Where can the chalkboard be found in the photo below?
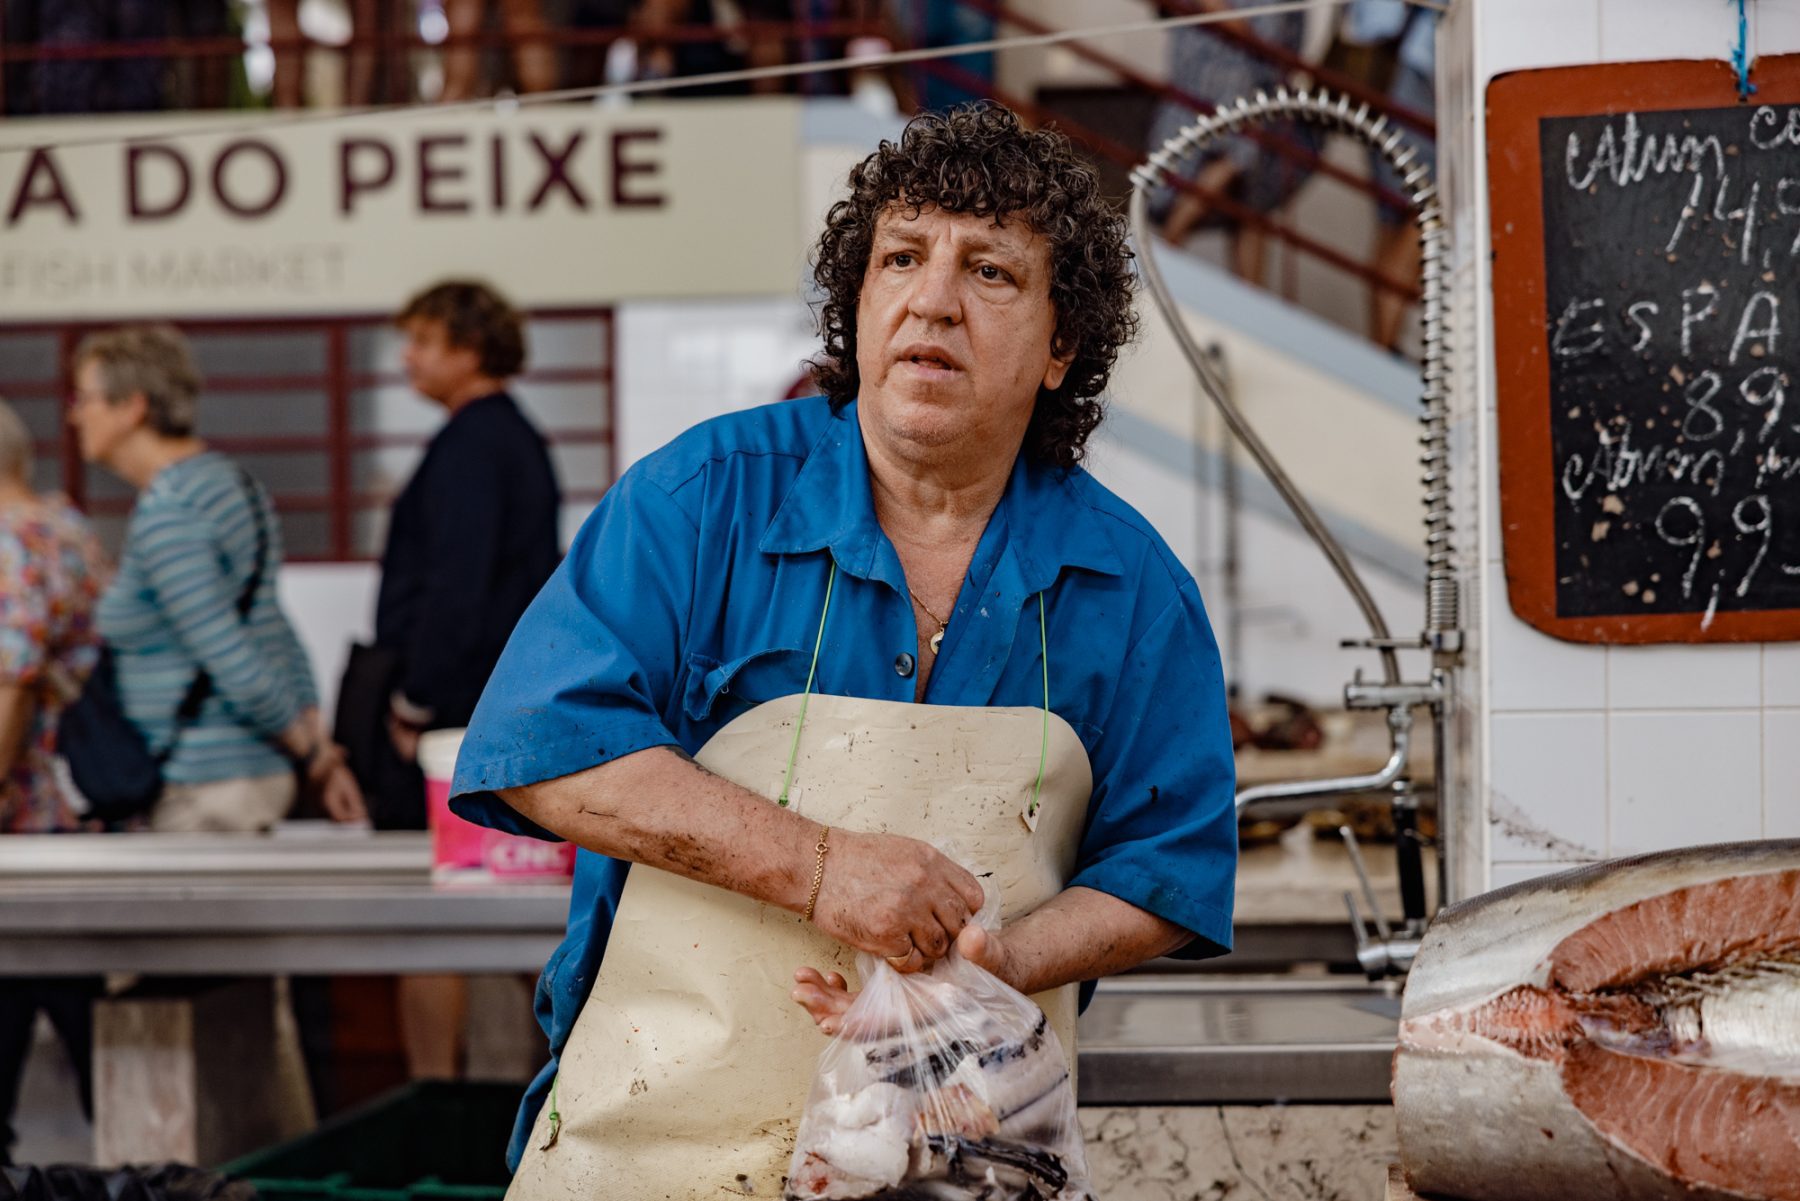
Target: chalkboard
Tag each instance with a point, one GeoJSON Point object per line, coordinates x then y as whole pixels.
{"type": "Point", "coordinates": [1646, 228]}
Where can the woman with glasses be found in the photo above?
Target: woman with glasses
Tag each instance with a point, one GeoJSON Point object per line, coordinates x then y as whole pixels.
{"type": "Point", "coordinates": [195, 598]}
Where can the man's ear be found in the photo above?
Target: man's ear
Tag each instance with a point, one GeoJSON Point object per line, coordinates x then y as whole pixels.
{"type": "Point", "coordinates": [1058, 370]}
{"type": "Point", "coordinates": [138, 405]}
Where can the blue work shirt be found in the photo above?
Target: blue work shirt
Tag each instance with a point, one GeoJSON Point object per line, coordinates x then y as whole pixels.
{"type": "Point", "coordinates": [693, 593]}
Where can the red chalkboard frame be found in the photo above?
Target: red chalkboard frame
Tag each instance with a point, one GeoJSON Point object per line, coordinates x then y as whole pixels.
{"type": "Point", "coordinates": [1515, 104]}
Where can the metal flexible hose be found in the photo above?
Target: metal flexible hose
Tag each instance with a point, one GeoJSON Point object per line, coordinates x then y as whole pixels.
{"type": "Point", "coordinates": [1442, 606]}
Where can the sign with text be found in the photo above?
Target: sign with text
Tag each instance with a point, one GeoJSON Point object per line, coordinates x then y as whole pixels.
{"type": "Point", "coordinates": [1646, 231]}
{"type": "Point", "coordinates": [221, 214]}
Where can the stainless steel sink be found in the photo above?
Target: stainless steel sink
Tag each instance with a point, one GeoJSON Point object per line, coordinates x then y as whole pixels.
{"type": "Point", "coordinates": [1205, 1040]}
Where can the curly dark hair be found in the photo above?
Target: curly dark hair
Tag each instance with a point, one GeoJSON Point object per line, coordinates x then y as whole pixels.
{"type": "Point", "coordinates": [475, 317]}
{"type": "Point", "coordinates": [979, 159]}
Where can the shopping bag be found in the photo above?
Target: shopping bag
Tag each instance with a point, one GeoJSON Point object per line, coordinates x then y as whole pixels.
{"type": "Point", "coordinates": [944, 1084]}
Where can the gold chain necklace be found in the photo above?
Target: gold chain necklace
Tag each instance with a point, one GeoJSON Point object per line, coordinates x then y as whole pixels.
{"type": "Point", "coordinates": [937, 639]}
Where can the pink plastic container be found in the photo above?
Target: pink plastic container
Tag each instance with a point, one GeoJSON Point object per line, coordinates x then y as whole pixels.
{"type": "Point", "coordinates": [465, 852]}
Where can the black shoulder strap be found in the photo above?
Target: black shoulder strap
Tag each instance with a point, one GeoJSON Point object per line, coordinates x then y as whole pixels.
{"type": "Point", "coordinates": [202, 686]}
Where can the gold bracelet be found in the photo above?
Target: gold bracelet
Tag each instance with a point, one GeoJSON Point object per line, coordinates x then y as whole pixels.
{"type": "Point", "coordinates": [812, 898]}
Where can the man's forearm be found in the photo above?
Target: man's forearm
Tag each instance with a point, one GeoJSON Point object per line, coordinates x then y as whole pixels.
{"type": "Point", "coordinates": [660, 808]}
{"type": "Point", "coordinates": [1083, 934]}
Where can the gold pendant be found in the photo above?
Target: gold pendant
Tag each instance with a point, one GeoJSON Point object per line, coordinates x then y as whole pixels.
{"type": "Point", "coordinates": [937, 640]}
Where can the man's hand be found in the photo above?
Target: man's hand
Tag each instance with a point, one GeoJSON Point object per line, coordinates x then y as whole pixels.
{"type": "Point", "coordinates": [826, 996]}
{"type": "Point", "coordinates": [895, 897]}
{"type": "Point", "coordinates": [342, 797]}
{"type": "Point", "coordinates": [404, 737]}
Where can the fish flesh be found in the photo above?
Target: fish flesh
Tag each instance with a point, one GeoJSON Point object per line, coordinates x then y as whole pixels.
{"type": "Point", "coordinates": [951, 1096]}
{"type": "Point", "coordinates": [1623, 1032]}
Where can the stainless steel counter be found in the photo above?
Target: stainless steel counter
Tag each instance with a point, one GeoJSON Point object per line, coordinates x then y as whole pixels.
{"type": "Point", "coordinates": [314, 902]}
{"type": "Point", "coordinates": [1188, 1040]}
{"type": "Point", "coordinates": [323, 901]}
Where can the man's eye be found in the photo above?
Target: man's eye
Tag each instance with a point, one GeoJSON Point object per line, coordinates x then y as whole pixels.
{"type": "Point", "coordinates": [991, 272]}
{"type": "Point", "coordinates": [902, 259]}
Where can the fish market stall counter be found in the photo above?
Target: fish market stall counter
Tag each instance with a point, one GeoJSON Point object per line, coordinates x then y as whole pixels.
{"type": "Point", "coordinates": [325, 902]}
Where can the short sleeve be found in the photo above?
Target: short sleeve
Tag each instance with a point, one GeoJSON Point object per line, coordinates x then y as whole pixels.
{"type": "Point", "coordinates": [590, 669]}
{"type": "Point", "coordinates": [1162, 832]}
{"type": "Point", "coordinates": [24, 612]}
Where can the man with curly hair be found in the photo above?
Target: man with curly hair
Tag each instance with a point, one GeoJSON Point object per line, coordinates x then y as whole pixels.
{"type": "Point", "coordinates": [961, 669]}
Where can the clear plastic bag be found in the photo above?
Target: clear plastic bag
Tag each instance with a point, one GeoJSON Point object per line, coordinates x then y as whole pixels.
{"type": "Point", "coordinates": [942, 1085]}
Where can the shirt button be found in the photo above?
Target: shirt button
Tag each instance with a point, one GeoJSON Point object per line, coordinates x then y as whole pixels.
{"type": "Point", "coordinates": [903, 665]}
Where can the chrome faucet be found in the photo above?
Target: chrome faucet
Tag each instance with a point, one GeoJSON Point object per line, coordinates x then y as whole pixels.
{"type": "Point", "coordinates": [1390, 951]}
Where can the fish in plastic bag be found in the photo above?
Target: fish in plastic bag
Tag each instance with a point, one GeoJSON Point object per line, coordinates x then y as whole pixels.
{"type": "Point", "coordinates": [941, 1085]}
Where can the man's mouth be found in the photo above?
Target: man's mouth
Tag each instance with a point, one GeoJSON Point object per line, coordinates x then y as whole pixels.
{"type": "Point", "coordinates": [928, 358]}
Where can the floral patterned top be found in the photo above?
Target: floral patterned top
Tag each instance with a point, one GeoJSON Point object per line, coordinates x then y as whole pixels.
{"type": "Point", "coordinates": [52, 573]}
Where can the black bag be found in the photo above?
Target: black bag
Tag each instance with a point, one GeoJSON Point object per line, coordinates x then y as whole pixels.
{"type": "Point", "coordinates": [370, 676]}
{"type": "Point", "coordinates": [394, 791]}
{"type": "Point", "coordinates": [111, 763]}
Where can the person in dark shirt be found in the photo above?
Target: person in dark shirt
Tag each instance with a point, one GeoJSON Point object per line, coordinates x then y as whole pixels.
{"type": "Point", "coordinates": [473, 535]}
{"type": "Point", "coordinates": [471, 540]}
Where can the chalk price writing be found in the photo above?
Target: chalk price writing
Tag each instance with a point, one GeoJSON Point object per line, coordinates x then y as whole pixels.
{"type": "Point", "coordinates": [1669, 312]}
{"type": "Point", "coordinates": [1681, 522]}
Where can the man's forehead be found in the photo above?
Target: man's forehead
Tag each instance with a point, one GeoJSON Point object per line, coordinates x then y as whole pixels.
{"type": "Point", "coordinates": [900, 220]}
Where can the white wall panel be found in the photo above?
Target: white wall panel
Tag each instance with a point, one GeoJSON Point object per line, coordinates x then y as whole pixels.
{"type": "Point", "coordinates": [1678, 779]}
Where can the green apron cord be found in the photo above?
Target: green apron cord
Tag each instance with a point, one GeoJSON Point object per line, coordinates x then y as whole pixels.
{"type": "Point", "coordinates": [555, 1117]}
{"type": "Point", "coordinates": [794, 750]}
{"type": "Point", "coordinates": [1043, 747]}
{"type": "Point", "coordinates": [812, 670]}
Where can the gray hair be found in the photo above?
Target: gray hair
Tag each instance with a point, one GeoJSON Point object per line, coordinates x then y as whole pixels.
{"type": "Point", "coordinates": [15, 444]}
{"type": "Point", "coordinates": [154, 360]}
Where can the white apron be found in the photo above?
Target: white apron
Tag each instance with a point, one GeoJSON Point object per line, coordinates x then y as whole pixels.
{"type": "Point", "coordinates": [686, 1072]}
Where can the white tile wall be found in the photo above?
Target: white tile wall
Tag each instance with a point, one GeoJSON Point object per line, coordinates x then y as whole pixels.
{"type": "Point", "coordinates": [1685, 677]}
{"type": "Point", "coordinates": [1781, 773]}
{"type": "Point", "coordinates": [1775, 26]}
{"type": "Point", "coordinates": [1517, 34]}
{"type": "Point", "coordinates": [1530, 671]}
{"type": "Point", "coordinates": [1781, 674]}
{"type": "Point", "coordinates": [1684, 778]}
{"type": "Point", "coordinates": [1547, 797]}
{"type": "Point", "coordinates": [1622, 749]}
{"type": "Point", "coordinates": [1686, 30]}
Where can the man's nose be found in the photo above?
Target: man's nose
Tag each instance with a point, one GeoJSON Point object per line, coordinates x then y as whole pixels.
{"type": "Point", "coordinates": [935, 294]}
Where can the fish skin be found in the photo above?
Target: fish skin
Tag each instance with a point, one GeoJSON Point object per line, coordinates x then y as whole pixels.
{"type": "Point", "coordinates": [1480, 1121]}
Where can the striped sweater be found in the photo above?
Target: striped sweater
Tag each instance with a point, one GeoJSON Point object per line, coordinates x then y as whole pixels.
{"type": "Point", "coordinates": [190, 548]}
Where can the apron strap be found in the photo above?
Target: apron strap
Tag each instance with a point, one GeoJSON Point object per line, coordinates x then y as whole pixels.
{"type": "Point", "coordinates": [794, 750]}
{"type": "Point", "coordinates": [1043, 746]}
{"type": "Point", "coordinates": [812, 671]}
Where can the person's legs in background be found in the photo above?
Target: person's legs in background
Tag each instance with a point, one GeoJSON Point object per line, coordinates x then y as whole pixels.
{"type": "Point", "coordinates": [434, 1010]}
{"type": "Point", "coordinates": [137, 83]}
{"type": "Point", "coordinates": [534, 53]}
{"type": "Point", "coordinates": [290, 56]}
{"type": "Point", "coordinates": [462, 59]}
{"type": "Point", "coordinates": [72, 85]}
{"type": "Point", "coordinates": [69, 1004]}
{"type": "Point", "coordinates": [18, 1015]}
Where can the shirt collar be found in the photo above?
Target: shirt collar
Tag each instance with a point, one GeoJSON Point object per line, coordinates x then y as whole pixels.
{"type": "Point", "coordinates": [1049, 525]}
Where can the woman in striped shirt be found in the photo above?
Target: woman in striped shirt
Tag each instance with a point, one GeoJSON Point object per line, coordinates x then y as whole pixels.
{"type": "Point", "coordinates": [201, 531]}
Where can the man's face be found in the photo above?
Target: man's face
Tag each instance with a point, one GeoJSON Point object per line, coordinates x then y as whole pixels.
{"type": "Point", "coordinates": [953, 329]}
{"type": "Point", "coordinates": [99, 424]}
{"type": "Point", "coordinates": [434, 367]}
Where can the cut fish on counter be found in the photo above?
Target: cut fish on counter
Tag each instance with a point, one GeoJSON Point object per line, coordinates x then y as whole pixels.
{"type": "Point", "coordinates": [1624, 1032]}
{"type": "Point", "coordinates": [954, 1101]}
